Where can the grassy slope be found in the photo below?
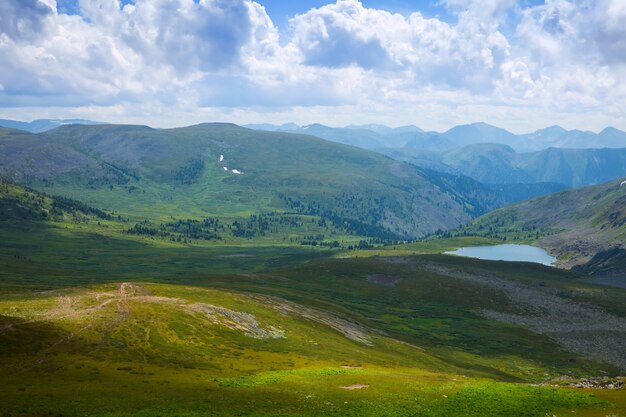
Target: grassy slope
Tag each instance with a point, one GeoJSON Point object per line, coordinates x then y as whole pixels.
{"type": "Point", "coordinates": [146, 351]}
{"type": "Point", "coordinates": [576, 224]}
{"type": "Point", "coordinates": [96, 351]}
{"type": "Point", "coordinates": [144, 172]}
{"type": "Point", "coordinates": [196, 331]}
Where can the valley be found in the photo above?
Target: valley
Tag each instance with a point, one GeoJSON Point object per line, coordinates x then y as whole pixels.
{"type": "Point", "coordinates": [139, 279]}
{"type": "Point", "coordinates": [287, 329]}
{"type": "Point", "coordinates": [329, 208]}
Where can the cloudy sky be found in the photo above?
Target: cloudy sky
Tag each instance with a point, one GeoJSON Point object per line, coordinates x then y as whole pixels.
{"type": "Point", "coordinates": [521, 65]}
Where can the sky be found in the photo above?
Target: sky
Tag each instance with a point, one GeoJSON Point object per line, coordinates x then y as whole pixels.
{"type": "Point", "coordinates": [521, 65]}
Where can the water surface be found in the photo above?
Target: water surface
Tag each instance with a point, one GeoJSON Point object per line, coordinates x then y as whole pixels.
{"type": "Point", "coordinates": [512, 253]}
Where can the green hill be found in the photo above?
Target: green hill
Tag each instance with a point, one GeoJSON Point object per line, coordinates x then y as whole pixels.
{"type": "Point", "coordinates": [580, 226]}
{"type": "Point", "coordinates": [149, 173]}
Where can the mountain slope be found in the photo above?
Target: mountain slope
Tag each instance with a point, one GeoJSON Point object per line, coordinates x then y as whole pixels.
{"type": "Point", "coordinates": [464, 135]}
{"type": "Point", "coordinates": [577, 225]}
{"type": "Point", "coordinates": [365, 136]}
{"type": "Point", "coordinates": [500, 164]}
{"type": "Point", "coordinates": [27, 157]}
{"type": "Point", "coordinates": [142, 171]}
{"type": "Point", "coordinates": [557, 137]}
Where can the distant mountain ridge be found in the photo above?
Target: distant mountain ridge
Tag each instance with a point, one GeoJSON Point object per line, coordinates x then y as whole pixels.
{"type": "Point", "coordinates": [43, 125]}
{"type": "Point", "coordinates": [500, 164]}
{"type": "Point", "coordinates": [412, 137]}
{"type": "Point", "coordinates": [375, 136]}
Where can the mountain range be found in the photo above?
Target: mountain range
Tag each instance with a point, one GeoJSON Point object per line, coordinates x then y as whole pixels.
{"type": "Point", "coordinates": [375, 136]}
{"type": "Point", "coordinates": [411, 137]}
{"type": "Point", "coordinates": [500, 164]}
{"type": "Point", "coordinates": [178, 271]}
{"type": "Point", "coordinates": [227, 170]}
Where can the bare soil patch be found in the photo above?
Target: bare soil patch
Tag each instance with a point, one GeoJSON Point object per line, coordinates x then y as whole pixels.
{"type": "Point", "coordinates": [355, 386]}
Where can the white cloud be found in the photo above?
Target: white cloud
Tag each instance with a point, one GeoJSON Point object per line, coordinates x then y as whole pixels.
{"type": "Point", "coordinates": [175, 60]}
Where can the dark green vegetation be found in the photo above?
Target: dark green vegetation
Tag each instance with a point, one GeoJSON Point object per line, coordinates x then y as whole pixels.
{"type": "Point", "coordinates": [98, 321]}
{"type": "Point", "coordinates": [145, 173]}
{"type": "Point", "coordinates": [585, 227]}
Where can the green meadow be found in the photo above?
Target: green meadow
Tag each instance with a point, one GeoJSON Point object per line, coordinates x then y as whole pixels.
{"type": "Point", "coordinates": [96, 322]}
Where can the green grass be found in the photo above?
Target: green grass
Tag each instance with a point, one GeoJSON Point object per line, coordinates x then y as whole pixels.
{"type": "Point", "coordinates": [148, 354]}
{"type": "Point", "coordinates": [72, 345]}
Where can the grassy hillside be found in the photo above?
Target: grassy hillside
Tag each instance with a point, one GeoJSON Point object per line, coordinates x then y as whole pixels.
{"type": "Point", "coordinates": [107, 324]}
{"type": "Point", "coordinates": [577, 225]}
{"type": "Point", "coordinates": [147, 173]}
{"type": "Point", "coordinates": [149, 349]}
{"type": "Point", "coordinates": [203, 292]}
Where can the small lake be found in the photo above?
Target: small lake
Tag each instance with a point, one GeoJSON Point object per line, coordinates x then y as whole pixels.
{"type": "Point", "coordinates": [512, 253]}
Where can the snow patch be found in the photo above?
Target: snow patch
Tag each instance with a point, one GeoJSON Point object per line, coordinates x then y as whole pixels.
{"type": "Point", "coordinates": [221, 158]}
{"type": "Point", "coordinates": [623, 183]}
{"type": "Point", "coordinates": [225, 168]}
{"type": "Point", "coordinates": [236, 171]}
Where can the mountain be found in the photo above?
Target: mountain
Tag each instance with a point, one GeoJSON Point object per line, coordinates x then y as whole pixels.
{"type": "Point", "coordinates": [273, 128]}
{"type": "Point", "coordinates": [363, 138]}
{"type": "Point", "coordinates": [584, 226]}
{"type": "Point", "coordinates": [551, 137]}
{"type": "Point", "coordinates": [557, 137]}
{"type": "Point", "coordinates": [479, 133]}
{"type": "Point", "coordinates": [27, 157]}
{"type": "Point", "coordinates": [575, 167]}
{"type": "Point", "coordinates": [370, 136]}
{"type": "Point", "coordinates": [20, 204]}
{"type": "Point", "coordinates": [500, 164]}
{"type": "Point", "coordinates": [227, 170]}
{"type": "Point", "coordinates": [198, 292]}
{"type": "Point", "coordinates": [385, 130]}
{"type": "Point", "coordinates": [43, 125]}
{"type": "Point", "coordinates": [410, 138]}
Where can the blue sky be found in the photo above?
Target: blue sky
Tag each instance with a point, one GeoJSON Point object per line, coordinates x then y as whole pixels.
{"type": "Point", "coordinates": [519, 64]}
{"type": "Point", "coordinates": [282, 11]}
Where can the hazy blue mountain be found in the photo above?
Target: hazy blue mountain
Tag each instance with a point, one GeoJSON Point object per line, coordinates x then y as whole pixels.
{"type": "Point", "coordinates": [374, 136]}
{"type": "Point", "coordinates": [273, 128]}
{"type": "Point", "coordinates": [370, 136]}
{"type": "Point", "coordinates": [575, 167]}
{"type": "Point", "coordinates": [500, 164]}
{"type": "Point", "coordinates": [557, 137]}
{"type": "Point", "coordinates": [43, 125]}
{"type": "Point", "coordinates": [363, 138]}
{"type": "Point", "coordinates": [479, 133]}
{"type": "Point", "coordinates": [386, 130]}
